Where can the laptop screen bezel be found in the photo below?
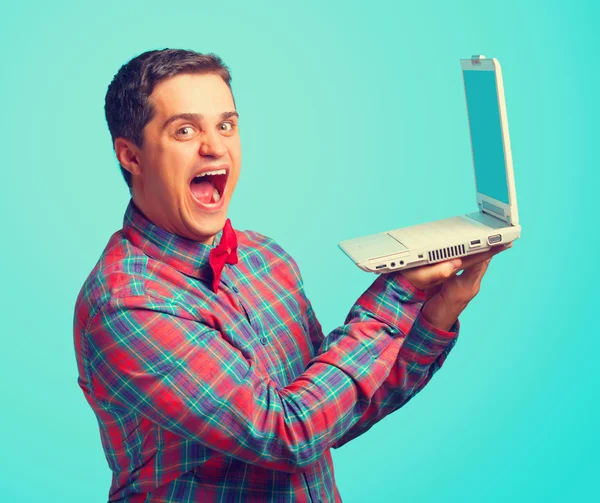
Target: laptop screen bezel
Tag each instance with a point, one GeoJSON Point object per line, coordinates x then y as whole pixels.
{"type": "Point", "coordinates": [509, 211]}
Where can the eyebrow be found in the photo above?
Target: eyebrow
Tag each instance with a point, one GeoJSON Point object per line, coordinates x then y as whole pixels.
{"type": "Point", "coordinates": [195, 117]}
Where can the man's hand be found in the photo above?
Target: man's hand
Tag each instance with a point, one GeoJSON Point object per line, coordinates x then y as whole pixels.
{"type": "Point", "coordinates": [447, 294]}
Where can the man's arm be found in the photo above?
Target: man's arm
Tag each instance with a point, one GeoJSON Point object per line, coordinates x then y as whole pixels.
{"type": "Point", "coordinates": [150, 356]}
{"type": "Point", "coordinates": [434, 333]}
{"type": "Point", "coordinates": [420, 353]}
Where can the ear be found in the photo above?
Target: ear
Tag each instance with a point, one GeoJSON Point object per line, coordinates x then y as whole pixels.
{"type": "Point", "coordinates": [128, 155]}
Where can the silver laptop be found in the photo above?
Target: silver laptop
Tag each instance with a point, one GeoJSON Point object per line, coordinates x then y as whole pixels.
{"type": "Point", "coordinates": [495, 222]}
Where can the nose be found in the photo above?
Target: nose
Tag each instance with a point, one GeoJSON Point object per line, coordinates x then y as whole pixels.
{"type": "Point", "coordinates": [212, 145]}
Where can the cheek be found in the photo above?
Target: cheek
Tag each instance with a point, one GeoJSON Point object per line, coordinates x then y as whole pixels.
{"type": "Point", "coordinates": [165, 185]}
{"type": "Point", "coordinates": [235, 148]}
{"type": "Point", "coordinates": [235, 152]}
{"type": "Point", "coordinates": [175, 167]}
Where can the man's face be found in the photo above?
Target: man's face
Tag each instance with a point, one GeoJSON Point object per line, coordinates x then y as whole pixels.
{"type": "Point", "coordinates": [176, 150]}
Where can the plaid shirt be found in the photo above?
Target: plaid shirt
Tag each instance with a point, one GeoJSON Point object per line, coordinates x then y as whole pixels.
{"type": "Point", "coordinates": [236, 396]}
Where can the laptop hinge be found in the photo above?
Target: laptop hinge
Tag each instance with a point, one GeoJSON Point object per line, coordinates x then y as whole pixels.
{"type": "Point", "coordinates": [494, 211]}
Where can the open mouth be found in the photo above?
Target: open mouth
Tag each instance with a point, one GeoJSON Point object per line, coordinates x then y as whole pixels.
{"type": "Point", "coordinates": [208, 187]}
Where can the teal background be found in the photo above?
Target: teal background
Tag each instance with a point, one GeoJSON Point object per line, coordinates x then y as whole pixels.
{"type": "Point", "coordinates": [353, 121]}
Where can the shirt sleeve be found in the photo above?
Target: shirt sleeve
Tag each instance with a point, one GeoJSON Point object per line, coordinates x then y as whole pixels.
{"type": "Point", "coordinates": [148, 356]}
{"type": "Point", "coordinates": [421, 350]}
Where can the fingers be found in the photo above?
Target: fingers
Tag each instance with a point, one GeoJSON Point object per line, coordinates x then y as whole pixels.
{"type": "Point", "coordinates": [427, 276]}
{"type": "Point", "coordinates": [471, 278]}
{"type": "Point", "coordinates": [467, 285]}
{"type": "Point", "coordinates": [471, 260]}
{"type": "Point", "coordinates": [446, 301]}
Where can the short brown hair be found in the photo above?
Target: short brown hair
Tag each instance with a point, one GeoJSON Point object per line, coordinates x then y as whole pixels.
{"type": "Point", "coordinates": [127, 107]}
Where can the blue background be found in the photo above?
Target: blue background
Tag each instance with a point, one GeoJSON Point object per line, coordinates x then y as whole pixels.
{"type": "Point", "coordinates": [353, 121]}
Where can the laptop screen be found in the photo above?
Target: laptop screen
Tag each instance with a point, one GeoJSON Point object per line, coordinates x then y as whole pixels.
{"type": "Point", "coordinates": [486, 134]}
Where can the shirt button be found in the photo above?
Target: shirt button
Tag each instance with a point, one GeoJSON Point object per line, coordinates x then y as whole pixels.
{"type": "Point", "coordinates": [264, 341]}
{"type": "Point", "coordinates": [235, 288]}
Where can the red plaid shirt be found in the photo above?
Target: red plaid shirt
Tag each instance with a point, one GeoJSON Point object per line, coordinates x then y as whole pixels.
{"type": "Point", "coordinates": [238, 395]}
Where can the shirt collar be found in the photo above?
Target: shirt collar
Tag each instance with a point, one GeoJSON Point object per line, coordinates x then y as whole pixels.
{"type": "Point", "coordinates": [187, 256]}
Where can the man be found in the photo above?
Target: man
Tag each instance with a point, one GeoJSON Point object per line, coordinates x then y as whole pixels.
{"type": "Point", "coordinates": [197, 349]}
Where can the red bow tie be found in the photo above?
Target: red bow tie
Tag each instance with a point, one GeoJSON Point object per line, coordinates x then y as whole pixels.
{"type": "Point", "coordinates": [224, 252]}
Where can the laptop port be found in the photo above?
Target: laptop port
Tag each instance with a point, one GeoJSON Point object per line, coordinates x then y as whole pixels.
{"type": "Point", "coordinates": [476, 242]}
{"type": "Point", "coordinates": [496, 238]}
{"type": "Point", "coordinates": [380, 266]}
{"type": "Point", "coordinates": [393, 264]}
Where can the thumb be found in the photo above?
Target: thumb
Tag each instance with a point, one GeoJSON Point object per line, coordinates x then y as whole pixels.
{"type": "Point", "coordinates": [472, 276]}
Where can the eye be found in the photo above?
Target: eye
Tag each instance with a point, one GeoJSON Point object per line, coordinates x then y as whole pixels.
{"type": "Point", "coordinates": [226, 126]}
{"type": "Point", "coordinates": [183, 129]}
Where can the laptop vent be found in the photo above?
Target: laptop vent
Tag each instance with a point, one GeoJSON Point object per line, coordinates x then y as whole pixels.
{"type": "Point", "coordinates": [446, 253]}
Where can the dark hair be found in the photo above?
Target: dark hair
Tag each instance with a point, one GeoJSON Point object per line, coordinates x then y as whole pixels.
{"type": "Point", "coordinates": [127, 107]}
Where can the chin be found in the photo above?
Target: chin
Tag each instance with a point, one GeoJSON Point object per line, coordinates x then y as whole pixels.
{"type": "Point", "coordinates": [206, 225]}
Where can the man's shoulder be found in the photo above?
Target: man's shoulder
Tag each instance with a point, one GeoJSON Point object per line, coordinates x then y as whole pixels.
{"type": "Point", "coordinates": [256, 243]}
{"type": "Point", "coordinates": [119, 272]}
{"type": "Point", "coordinates": [265, 253]}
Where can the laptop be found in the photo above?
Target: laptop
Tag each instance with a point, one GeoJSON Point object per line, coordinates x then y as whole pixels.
{"type": "Point", "coordinates": [496, 220]}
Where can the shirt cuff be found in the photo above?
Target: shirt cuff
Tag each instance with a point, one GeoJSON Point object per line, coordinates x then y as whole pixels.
{"type": "Point", "coordinates": [425, 343]}
{"type": "Point", "coordinates": [437, 334]}
{"type": "Point", "coordinates": [393, 300]}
